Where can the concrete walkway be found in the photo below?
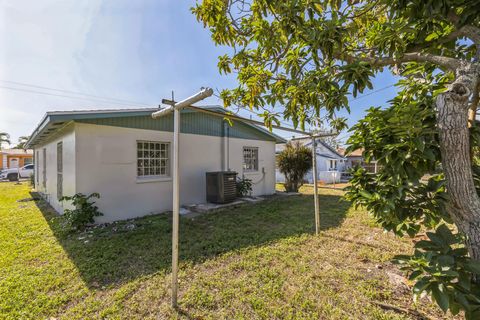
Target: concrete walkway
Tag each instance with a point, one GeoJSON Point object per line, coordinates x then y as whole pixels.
{"type": "Point", "coordinates": [194, 210]}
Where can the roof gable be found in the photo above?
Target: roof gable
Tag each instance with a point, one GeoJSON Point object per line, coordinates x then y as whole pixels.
{"type": "Point", "coordinates": [326, 147]}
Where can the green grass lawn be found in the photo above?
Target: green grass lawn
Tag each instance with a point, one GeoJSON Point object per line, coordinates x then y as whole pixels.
{"type": "Point", "coordinates": [258, 261]}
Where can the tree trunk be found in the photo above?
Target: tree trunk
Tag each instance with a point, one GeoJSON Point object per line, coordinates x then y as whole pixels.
{"type": "Point", "coordinates": [452, 120]}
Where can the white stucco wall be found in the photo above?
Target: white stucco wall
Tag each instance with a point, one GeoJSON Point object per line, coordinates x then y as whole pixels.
{"type": "Point", "coordinates": [106, 162]}
{"type": "Point", "coordinates": [263, 180]}
{"type": "Point", "coordinates": [67, 136]}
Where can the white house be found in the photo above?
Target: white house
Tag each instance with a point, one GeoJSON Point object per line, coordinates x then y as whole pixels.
{"type": "Point", "coordinates": [125, 156]}
{"type": "Point", "coordinates": [330, 164]}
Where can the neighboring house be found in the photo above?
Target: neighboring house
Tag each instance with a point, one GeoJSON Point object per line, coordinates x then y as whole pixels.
{"type": "Point", "coordinates": [355, 158]}
{"type": "Point", "coordinates": [330, 164]}
{"type": "Point", "coordinates": [125, 156]}
{"type": "Point", "coordinates": [14, 158]}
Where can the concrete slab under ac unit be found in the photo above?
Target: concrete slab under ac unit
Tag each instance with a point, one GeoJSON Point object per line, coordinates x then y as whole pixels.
{"type": "Point", "coordinates": [194, 210]}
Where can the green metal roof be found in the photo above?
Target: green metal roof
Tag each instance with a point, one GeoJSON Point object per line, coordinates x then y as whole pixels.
{"type": "Point", "coordinates": [191, 122]}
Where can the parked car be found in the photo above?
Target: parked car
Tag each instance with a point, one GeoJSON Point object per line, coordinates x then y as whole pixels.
{"type": "Point", "coordinates": [12, 174]}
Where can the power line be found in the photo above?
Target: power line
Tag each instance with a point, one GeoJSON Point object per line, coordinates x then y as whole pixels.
{"type": "Point", "coordinates": [123, 101]}
{"type": "Point", "coordinates": [65, 96]}
{"type": "Point", "coordinates": [372, 92]}
{"type": "Point", "coordinates": [344, 136]}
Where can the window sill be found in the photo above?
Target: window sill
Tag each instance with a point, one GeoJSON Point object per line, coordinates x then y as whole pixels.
{"type": "Point", "coordinates": [251, 172]}
{"type": "Point", "coordinates": [153, 179]}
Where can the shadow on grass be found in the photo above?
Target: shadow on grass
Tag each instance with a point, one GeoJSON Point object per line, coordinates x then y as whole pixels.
{"type": "Point", "coordinates": [127, 250]}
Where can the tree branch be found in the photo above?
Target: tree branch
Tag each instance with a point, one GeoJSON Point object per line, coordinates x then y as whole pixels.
{"type": "Point", "coordinates": [472, 32]}
{"type": "Point", "coordinates": [450, 37]}
{"type": "Point", "coordinates": [469, 31]}
{"type": "Point", "coordinates": [453, 17]}
{"type": "Point", "coordinates": [446, 62]}
{"type": "Point", "coordinates": [276, 61]}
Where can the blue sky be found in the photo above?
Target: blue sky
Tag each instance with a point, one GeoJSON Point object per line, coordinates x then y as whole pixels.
{"type": "Point", "coordinates": [130, 50]}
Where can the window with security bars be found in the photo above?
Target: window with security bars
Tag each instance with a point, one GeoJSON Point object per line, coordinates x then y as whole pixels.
{"type": "Point", "coordinates": [153, 159]}
{"type": "Point", "coordinates": [59, 170]}
{"type": "Point", "coordinates": [250, 159]}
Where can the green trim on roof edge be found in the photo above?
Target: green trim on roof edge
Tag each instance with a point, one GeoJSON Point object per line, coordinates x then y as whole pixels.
{"type": "Point", "coordinates": [190, 122]}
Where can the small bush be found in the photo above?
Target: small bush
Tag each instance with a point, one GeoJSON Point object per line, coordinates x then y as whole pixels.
{"type": "Point", "coordinates": [84, 213]}
{"type": "Point", "coordinates": [32, 180]}
{"type": "Point", "coordinates": [294, 162]}
{"type": "Point", "coordinates": [244, 187]}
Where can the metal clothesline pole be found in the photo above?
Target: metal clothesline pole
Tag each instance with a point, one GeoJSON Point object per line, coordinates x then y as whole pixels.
{"type": "Point", "coordinates": [175, 107]}
{"type": "Point", "coordinates": [315, 186]}
{"type": "Point", "coordinates": [176, 205]}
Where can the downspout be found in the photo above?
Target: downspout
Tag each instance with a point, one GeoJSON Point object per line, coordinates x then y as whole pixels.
{"type": "Point", "coordinates": [225, 146]}
{"type": "Point", "coordinates": [222, 147]}
{"type": "Point", "coordinates": [227, 137]}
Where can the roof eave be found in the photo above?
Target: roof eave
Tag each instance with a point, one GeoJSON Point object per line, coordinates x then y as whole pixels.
{"type": "Point", "coordinates": [29, 144]}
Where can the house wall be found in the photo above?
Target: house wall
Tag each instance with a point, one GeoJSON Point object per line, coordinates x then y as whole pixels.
{"type": "Point", "coordinates": [107, 163]}
{"type": "Point", "coordinates": [20, 158]}
{"type": "Point", "coordinates": [324, 174]}
{"type": "Point", "coordinates": [49, 192]}
{"type": "Point", "coordinates": [323, 162]}
{"type": "Point", "coordinates": [263, 180]}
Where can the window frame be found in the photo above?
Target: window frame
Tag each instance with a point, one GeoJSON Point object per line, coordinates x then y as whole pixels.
{"type": "Point", "coordinates": [37, 167]}
{"type": "Point", "coordinates": [44, 168]}
{"type": "Point", "coordinates": [254, 151]}
{"type": "Point", "coordinates": [335, 165]}
{"type": "Point", "coordinates": [59, 170]}
{"type": "Point", "coordinates": [163, 146]}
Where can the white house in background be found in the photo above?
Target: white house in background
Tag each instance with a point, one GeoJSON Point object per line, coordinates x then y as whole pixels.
{"type": "Point", "coordinates": [125, 156]}
{"type": "Point", "coordinates": [330, 164]}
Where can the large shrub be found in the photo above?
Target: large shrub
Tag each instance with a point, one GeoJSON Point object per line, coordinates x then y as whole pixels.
{"type": "Point", "coordinates": [294, 162]}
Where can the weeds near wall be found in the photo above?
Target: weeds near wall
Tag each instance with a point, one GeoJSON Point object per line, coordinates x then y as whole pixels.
{"type": "Point", "coordinates": [84, 213]}
{"type": "Point", "coordinates": [244, 187]}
